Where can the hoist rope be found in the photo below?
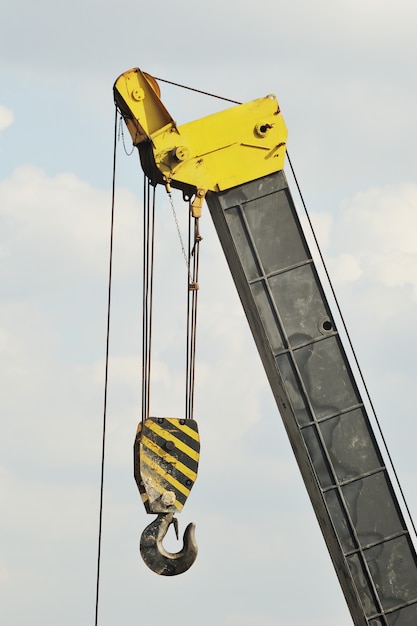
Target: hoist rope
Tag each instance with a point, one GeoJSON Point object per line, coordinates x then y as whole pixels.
{"type": "Point", "coordinates": [147, 290]}
{"type": "Point", "coordinates": [149, 204]}
{"type": "Point", "coordinates": [192, 301]}
{"type": "Point", "coordinates": [106, 371]}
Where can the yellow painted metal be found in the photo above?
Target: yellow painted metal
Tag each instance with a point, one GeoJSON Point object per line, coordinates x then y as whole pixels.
{"type": "Point", "coordinates": [166, 455]}
{"type": "Point", "coordinates": [214, 153]}
{"type": "Point", "coordinates": [172, 460]}
{"type": "Point", "coordinates": [193, 454]}
{"type": "Point", "coordinates": [137, 95]}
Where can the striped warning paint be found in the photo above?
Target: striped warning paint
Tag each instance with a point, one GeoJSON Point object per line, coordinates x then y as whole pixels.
{"type": "Point", "coordinates": [166, 455]}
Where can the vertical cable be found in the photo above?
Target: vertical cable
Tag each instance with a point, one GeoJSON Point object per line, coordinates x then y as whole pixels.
{"type": "Point", "coordinates": [194, 298]}
{"type": "Point", "coordinates": [100, 525]}
{"type": "Point", "coordinates": [191, 317]}
{"type": "Point", "coordinates": [144, 297]}
{"type": "Point", "coordinates": [147, 291]}
{"type": "Point", "coordinates": [187, 355]}
{"type": "Point", "coordinates": [150, 298]}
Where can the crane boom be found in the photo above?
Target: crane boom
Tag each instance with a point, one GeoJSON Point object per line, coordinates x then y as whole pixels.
{"type": "Point", "coordinates": [297, 339]}
{"type": "Point", "coordinates": [318, 399]}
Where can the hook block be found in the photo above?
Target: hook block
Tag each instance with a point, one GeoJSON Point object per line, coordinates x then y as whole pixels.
{"type": "Point", "coordinates": [166, 455]}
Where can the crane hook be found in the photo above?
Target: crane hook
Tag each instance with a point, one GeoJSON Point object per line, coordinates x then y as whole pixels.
{"type": "Point", "coordinates": [154, 554]}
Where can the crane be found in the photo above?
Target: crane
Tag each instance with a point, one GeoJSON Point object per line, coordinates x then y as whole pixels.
{"type": "Point", "coordinates": [234, 161]}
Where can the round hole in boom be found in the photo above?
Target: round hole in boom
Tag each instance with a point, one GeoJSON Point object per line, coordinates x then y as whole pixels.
{"type": "Point", "coordinates": [327, 325]}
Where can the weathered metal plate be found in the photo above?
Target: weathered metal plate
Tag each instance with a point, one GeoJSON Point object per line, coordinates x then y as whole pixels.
{"type": "Point", "coordinates": [166, 455]}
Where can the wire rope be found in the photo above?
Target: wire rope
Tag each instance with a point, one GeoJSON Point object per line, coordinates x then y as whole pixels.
{"type": "Point", "coordinates": [145, 259]}
{"type": "Point", "coordinates": [204, 93]}
{"type": "Point", "coordinates": [106, 372]}
{"type": "Point", "coordinates": [188, 333]}
{"type": "Point", "coordinates": [192, 301]}
{"type": "Point", "coordinates": [147, 290]}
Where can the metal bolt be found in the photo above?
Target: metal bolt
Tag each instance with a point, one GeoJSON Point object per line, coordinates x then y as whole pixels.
{"type": "Point", "coordinates": [181, 153]}
{"type": "Point", "coordinates": [138, 94]}
{"type": "Point", "coordinates": [169, 445]}
{"type": "Point", "coordinates": [262, 129]}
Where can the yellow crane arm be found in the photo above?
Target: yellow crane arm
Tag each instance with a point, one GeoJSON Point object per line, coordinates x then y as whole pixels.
{"type": "Point", "coordinates": [214, 153]}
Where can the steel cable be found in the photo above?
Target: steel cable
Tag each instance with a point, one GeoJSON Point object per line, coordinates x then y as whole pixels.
{"type": "Point", "coordinates": [147, 291]}
{"type": "Point", "coordinates": [192, 301]}
{"type": "Point", "coordinates": [106, 372]}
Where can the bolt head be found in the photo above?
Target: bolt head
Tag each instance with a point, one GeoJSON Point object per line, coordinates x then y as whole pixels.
{"type": "Point", "coordinates": [182, 153]}
{"type": "Point", "coordinates": [138, 94]}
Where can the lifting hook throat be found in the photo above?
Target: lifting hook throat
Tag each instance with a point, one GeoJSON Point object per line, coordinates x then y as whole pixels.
{"type": "Point", "coordinates": [154, 554]}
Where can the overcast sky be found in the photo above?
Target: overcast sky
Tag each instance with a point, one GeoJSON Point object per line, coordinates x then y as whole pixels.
{"type": "Point", "coordinates": [345, 76]}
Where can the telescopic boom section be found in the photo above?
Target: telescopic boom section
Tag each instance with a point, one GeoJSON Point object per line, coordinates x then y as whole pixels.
{"type": "Point", "coordinates": [237, 157]}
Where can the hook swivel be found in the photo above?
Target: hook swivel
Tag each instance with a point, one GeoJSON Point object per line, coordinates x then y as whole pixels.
{"type": "Point", "coordinates": [154, 554]}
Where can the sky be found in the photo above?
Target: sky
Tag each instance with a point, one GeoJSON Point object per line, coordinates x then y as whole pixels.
{"type": "Point", "coordinates": [344, 74]}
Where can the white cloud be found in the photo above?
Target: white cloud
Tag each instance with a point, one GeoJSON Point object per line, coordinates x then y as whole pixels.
{"type": "Point", "coordinates": [346, 268]}
{"type": "Point", "coordinates": [352, 109]}
{"type": "Point", "coordinates": [6, 117]}
{"type": "Point", "coordinates": [63, 224]}
{"type": "Point", "coordinates": [373, 240]}
{"type": "Point", "coordinates": [52, 323]}
{"type": "Point", "coordinates": [321, 222]}
{"type": "Point", "coordinates": [379, 227]}
{"type": "Point", "coordinates": [371, 255]}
